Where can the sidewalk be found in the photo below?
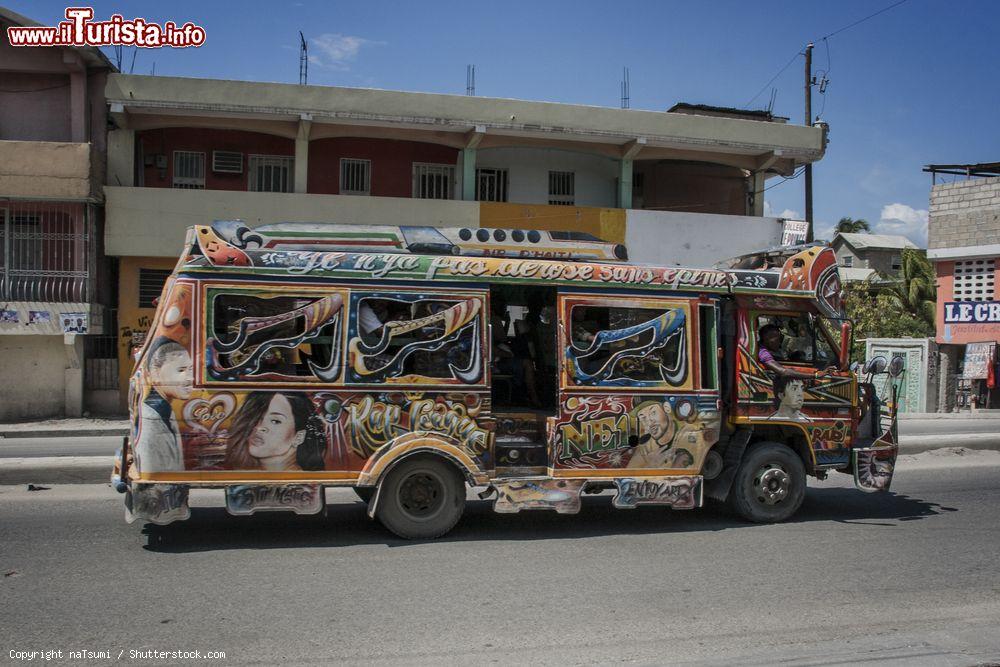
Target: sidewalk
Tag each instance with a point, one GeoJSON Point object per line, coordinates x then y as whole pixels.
{"type": "Point", "coordinates": [979, 414]}
{"type": "Point", "coordinates": [70, 428]}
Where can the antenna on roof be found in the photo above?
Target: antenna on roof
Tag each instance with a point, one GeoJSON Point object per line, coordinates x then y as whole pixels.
{"type": "Point", "coordinates": [303, 60]}
{"type": "Point", "coordinates": [470, 80]}
{"type": "Point", "coordinates": [625, 88]}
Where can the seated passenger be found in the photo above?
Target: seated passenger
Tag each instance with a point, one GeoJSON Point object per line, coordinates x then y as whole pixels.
{"type": "Point", "coordinates": [769, 338]}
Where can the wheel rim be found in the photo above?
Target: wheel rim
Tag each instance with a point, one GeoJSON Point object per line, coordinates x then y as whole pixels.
{"type": "Point", "coordinates": [421, 494]}
{"type": "Point", "coordinates": [771, 484]}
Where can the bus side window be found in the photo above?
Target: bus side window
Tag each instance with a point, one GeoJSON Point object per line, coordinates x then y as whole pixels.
{"type": "Point", "coordinates": [274, 337]}
{"type": "Point", "coordinates": [621, 346]}
{"type": "Point", "coordinates": [403, 335]}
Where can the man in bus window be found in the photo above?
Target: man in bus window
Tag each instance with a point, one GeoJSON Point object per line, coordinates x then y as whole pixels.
{"type": "Point", "coordinates": [769, 337]}
{"type": "Point", "coordinates": [372, 316]}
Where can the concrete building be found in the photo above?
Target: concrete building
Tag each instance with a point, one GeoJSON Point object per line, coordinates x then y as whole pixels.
{"type": "Point", "coordinates": [53, 121]}
{"type": "Point", "coordinates": [964, 245]}
{"type": "Point", "coordinates": [860, 256]}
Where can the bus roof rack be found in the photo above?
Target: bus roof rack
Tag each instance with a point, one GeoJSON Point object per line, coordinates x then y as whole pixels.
{"type": "Point", "coordinates": [421, 239]}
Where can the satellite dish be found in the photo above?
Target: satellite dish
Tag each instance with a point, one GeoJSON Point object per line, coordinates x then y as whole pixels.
{"type": "Point", "coordinates": [896, 366]}
{"type": "Point", "coordinates": [875, 365]}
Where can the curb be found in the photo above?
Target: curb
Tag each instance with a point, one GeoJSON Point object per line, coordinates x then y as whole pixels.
{"type": "Point", "coordinates": [97, 469]}
{"type": "Point", "coordinates": [919, 416]}
{"type": "Point", "coordinates": [64, 433]}
{"type": "Point", "coordinates": [57, 470]}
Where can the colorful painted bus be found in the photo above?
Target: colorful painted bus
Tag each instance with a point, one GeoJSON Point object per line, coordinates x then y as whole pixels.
{"type": "Point", "coordinates": [413, 362]}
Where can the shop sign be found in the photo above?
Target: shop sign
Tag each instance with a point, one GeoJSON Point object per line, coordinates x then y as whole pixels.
{"type": "Point", "coordinates": [972, 312]}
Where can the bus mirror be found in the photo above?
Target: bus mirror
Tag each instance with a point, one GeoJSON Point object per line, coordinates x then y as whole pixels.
{"type": "Point", "coordinates": [845, 345]}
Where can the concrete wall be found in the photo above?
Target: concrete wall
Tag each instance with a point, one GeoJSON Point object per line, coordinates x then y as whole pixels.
{"type": "Point", "coordinates": [964, 213]}
{"type": "Point", "coordinates": [528, 174]}
{"type": "Point", "coordinates": [39, 115]}
{"type": "Point", "coordinates": [32, 377]}
{"type": "Point", "coordinates": [151, 222]}
{"type": "Point", "coordinates": [917, 387]}
{"type": "Point", "coordinates": [45, 169]}
{"type": "Point", "coordinates": [669, 185]}
{"type": "Point", "coordinates": [695, 239]}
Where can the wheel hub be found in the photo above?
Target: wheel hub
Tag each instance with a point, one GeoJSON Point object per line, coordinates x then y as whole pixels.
{"type": "Point", "coordinates": [771, 484]}
{"type": "Point", "coordinates": [421, 494]}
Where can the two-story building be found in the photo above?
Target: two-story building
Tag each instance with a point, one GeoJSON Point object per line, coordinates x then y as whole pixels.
{"type": "Point", "coordinates": [680, 188]}
{"type": "Point", "coordinates": [53, 127]}
{"type": "Point", "coordinates": [864, 256]}
{"type": "Point", "coordinates": [964, 245]}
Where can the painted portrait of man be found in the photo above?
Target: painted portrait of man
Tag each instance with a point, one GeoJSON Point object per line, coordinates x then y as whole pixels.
{"type": "Point", "coordinates": [656, 429]}
{"type": "Point", "coordinates": [790, 395]}
{"type": "Point", "coordinates": [168, 369]}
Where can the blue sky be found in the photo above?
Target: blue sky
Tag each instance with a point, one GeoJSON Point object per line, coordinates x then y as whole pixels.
{"type": "Point", "coordinates": [912, 86]}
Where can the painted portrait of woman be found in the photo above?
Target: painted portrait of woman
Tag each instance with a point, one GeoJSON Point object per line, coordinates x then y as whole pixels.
{"type": "Point", "coordinates": [276, 431]}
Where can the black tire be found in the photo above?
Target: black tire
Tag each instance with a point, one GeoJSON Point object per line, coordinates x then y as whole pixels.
{"type": "Point", "coordinates": [421, 498]}
{"type": "Point", "coordinates": [770, 484]}
{"type": "Point", "coordinates": [365, 493]}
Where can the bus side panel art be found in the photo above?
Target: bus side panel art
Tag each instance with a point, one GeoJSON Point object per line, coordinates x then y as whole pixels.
{"type": "Point", "coordinates": [631, 395]}
{"type": "Point", "coordinates": [274, 394]}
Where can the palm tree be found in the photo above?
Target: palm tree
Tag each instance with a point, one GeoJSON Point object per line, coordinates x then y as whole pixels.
{"type": "Point", "coordinates": [916, 290]}
{"type": "Point", "coordinates": [852, 226]}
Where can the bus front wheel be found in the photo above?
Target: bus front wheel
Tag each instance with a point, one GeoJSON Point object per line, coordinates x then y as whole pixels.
{"type": "Point", "coordinates": [770, 484]}
{"type": "Point", "coordinates": [421, 498]}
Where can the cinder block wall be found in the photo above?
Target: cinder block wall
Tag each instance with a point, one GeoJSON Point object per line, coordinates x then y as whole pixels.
{"type": "Point", "coordinates": [965, 213]}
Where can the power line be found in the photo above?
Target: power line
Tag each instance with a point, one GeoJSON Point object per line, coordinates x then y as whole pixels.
{"type": "Point", "coordinates": [824, 38]}
{"type": "Point", "coordinates": [870, 16]}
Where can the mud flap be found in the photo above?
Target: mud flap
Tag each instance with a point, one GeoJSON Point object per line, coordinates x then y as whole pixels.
{"type": "Point", "coordinates": [874, 466]}
{"type": "Point", "coordinates": [718, 488]}
{"type": "Point", "coordinates": [157, 503]}
{"type": "Point", "coordinates": [681, 493]}
{"type": "Point", "coordinates": [245, 499]}
{"type": "Point", "coordinates": [561, 495]}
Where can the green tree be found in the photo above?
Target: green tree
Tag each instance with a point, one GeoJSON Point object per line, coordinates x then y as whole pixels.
{"type": "Point", "coordinates": [916, 290]}
{"type": "Point", "coordinates": [852, 226]}
{"type": "Point", "coordinates": [899, 308]}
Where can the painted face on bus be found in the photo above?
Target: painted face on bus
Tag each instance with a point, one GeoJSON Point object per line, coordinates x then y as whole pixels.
{"type": "Point", "coordinates": [275, 435]}
{"type": "Point", "coordinates": [654, 421]}
{"type": "Point", "coordinates": [170, 372]}
{"type": "Point", "coordinates": [794, 395]}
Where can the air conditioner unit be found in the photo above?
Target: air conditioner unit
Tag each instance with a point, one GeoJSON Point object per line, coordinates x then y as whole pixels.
{"type": "Point", "coordinates": [227, 162]}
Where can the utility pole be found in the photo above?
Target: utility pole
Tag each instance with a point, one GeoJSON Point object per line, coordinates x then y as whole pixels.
{"type": "Point", "coordinates": [809, 122]}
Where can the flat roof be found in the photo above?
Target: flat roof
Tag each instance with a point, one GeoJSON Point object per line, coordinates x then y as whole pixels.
{"type": "Point", "coordinates": [486, 116]}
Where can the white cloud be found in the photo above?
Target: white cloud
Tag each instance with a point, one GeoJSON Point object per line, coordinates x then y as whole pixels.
{"type": "Point", "coordinates": [768, 211]}
{"type": "Point", "coordinates": [904, 220]}
{"type": "Point", "coordinates": [336, 51]}
{"type": "Point", "coordinates": [789, 214]}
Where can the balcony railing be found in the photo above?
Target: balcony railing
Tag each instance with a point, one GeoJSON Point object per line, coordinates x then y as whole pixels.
{"type": "Point", "coordinates": [47, 251]}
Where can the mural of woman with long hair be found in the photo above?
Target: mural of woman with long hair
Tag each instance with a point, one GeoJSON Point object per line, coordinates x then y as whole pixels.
{"type": "Point", "coordinates": [276, 431]}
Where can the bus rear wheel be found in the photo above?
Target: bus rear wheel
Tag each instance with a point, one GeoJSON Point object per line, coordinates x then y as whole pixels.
{"type": "Point", "coordinates": [770, 484]}
{"type": "Point", "coordinates": [421, 498]}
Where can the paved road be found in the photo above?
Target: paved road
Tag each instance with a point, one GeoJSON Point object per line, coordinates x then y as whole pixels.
{"type": "Point", "coordinates": [908, 577]}
{"type": "Point", "coordinates": [99, 446]}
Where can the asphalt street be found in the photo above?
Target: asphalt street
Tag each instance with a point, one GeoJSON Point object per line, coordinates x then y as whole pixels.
{"type": "Point", "coordinates": [100, 446]}
{"type": "Point", "coordinates": [908, 578]}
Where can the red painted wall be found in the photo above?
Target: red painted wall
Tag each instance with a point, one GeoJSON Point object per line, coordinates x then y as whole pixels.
{"type": "Point", "coordinates": [960, 333]}
{"type": "Point", "coordinates": [167, 140]}
{"type": "Point", "coordinates": [392, 163]}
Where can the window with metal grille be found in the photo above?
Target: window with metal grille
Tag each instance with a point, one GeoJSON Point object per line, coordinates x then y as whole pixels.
{"type": "Point", "coordinates": [433, 181]}
{"type": "Point", "coordinates": [271, 173]}
{"type": "Point", "coordinates": [151, 283]}
{"type": "Point", "coordinates": [355, 176]}
{"type": "Point", "coordinates": [189, 170]}
{"type": "Point", "coordinates": [562, 188]}
{"type": "Point", "coordinates": [847, 261]}
{"type": "Point", "coordinates": [227, 162]}
{"type": "Point", "coordinates": [974, 280]}
{"type": "Point", "coordinates": [491, 184]}
{"type": "Point", "coordinates": [26, 242]}
{"type": "Point", "coordinates": [896, 262]}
